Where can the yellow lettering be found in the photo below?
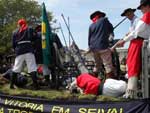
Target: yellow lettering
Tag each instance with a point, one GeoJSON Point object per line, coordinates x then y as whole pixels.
{"type": "Point", "coordinates": [55, 108]}
{"type": "Point", "coordinates": [82, 110]}
{"type": "Point", "coordinates": [22, 104]}
{"type": "Point", "coordinates": [114, 110]}
{"type": "Point", "coordinates": [23, 112]}
{"type": "Point", "coordinates": [67, 110]}
{"type": "Point", "coordinates": [1, 110]}
{"type": "Point", "coordinates": [40, 108]}
{"type": "Point", "coordinates": [16, 111]}
{"type": "Point", "coordinates": [103, 111]}
{"type": "Point", "coordinates": [92, 110]}
{"type": "Point", "coordinates": [35, 106]}
{"type": "Point", "coordinates": [121, 110]}
{"type": "Point", "coordinates": [32, 106]}
{"type": "Point", "coordinates": [58, 109]}
{"type": "Point", "coordinates": [10, 102]}
{"type": "Point", "coordinates": [15, 103]}
{"type": "Point", "coordinates": [100, 111]}
{"type": "Point", "coordinates": [109, 110]}
{"type": "Point", "coordinates": [9, 110]}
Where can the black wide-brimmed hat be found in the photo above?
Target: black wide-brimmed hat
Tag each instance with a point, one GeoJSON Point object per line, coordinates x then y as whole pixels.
{"type": "Point", "coordinates": [143, 2]}
{"type": "Point", "coordinates": [127, 10]}
{"type": "Point", "coordinates": [102, 14]}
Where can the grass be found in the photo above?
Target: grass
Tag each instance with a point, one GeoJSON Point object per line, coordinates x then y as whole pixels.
{"type": "Point", "coordinates": [54, 94]}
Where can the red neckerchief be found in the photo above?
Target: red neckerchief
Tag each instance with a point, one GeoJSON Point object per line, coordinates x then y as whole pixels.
{"type": "Point", "coordinates": [95, 19]}
{"type": "Point", "coordinates": [23, 25]}
{"type": "Point", "coordinates": [146, 18]}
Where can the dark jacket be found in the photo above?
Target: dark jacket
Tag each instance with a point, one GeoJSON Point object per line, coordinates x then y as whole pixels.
{"type": "Point", "coordinates": [99, 32]}
{"type": "Point", "coordinates": [38, 47]}
{"type": "Point", "coordinates": [22, 42]}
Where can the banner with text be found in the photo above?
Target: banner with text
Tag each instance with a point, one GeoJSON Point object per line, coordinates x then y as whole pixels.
{"type": "Point", "coordinates": [17, 104]}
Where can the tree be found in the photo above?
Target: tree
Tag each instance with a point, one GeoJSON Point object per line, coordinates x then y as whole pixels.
{"type": "Point", "coordinates": [10, 12]}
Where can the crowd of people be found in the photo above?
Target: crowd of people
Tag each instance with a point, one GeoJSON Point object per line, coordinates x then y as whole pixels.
{"type": "Point", "coordinates": [98, 42]}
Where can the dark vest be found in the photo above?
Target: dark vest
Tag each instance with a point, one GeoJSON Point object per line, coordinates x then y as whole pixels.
{"type": "Point", "coordinates": [22, 42]}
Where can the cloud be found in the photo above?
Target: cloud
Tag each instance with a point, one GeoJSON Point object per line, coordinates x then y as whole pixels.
{"type": "Point", "coordinates": [49, 3]}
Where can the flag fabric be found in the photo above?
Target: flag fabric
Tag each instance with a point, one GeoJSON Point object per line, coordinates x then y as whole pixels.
{"type": "Point", "coordinates": [46, 37]}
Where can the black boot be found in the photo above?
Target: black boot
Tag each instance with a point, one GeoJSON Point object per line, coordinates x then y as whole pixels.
{"type": "Point", "coordinates": [47, 80]}
{"type": "Point", "coordinates": [34, 79]}
{"type": "Point", "coordinates": [13, 80]}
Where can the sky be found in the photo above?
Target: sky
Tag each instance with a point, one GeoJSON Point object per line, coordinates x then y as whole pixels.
{"type": "Point", "coordinates": [78, 12]}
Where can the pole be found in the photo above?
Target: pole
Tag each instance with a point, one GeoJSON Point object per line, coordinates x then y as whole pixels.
{"type": "Point", "coordinates": [75, 45]}
{"type": "Point", "coordinates": [68, 32]}
{"type": "Point", "coordinates": [63, 35]}
{"type": "Point", "coordinates": [67, 27]}
{"type": "Point", "coordinates": [120, 22]}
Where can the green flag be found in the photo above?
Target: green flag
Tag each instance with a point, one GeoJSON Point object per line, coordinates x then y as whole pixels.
{"type": "Point", "coordinates": [46, 38]}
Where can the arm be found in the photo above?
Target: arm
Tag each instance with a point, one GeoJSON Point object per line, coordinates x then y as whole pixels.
{"type": "Point", "coordinates": [139, 31]}
{"type": "Point", "coordinates": [140, 28]}
{"type": "Point", "coordinates": [135, 33]}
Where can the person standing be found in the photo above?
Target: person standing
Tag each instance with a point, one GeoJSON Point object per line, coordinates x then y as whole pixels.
{"type": "Point", "coordinates": [98, 42]}
{"type": "Point", "coordinates": [134, 61]}
{"type": "Point", "coordinates": [129, 13]}
{"type": "Point", "coordinates": [22, 44]}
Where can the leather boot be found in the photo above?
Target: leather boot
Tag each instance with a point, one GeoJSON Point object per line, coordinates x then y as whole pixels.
{"type": "Point", "coordinates": [47, 80]}
{"type": "Point", "coordinates": [13, 80]}
{"type": "Point", "coordinates": [34, 79]}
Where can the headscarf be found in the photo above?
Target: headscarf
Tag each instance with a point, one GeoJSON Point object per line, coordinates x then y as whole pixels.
{"type": "Point", "coordinates": [95, 18]}
{"type": "Point", "coordinates": [23, 25]}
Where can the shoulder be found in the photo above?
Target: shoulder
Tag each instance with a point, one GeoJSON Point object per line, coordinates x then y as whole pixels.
{"type": "Point", "coordinates": [102, 19]}
{"type": "Point", "coordinates": [105, 20]}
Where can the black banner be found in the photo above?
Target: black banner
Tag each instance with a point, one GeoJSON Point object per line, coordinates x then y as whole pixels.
{"type": "Point", "coordinates": [17, 104]}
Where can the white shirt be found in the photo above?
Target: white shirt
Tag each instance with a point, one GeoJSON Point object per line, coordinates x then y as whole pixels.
{"type": "Point", "coordinates": [134, 21]}
{"type": "Point", "coordinates": [142, 29]}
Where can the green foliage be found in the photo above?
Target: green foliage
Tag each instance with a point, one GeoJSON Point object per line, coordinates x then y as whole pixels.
{"type": "Point", "coordinates": [10, 12]}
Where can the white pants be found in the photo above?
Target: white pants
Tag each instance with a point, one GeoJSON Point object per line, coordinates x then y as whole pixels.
{"type": "Point", "coordinates": [29, 58]}
{"type": "Point", "coordinates": [114, 87]}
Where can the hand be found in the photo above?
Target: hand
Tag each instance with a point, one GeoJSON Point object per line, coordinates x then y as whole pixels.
{"type": "Point", "coordinates": [120, 43]}
{"type": "Point", "coordinates": [112, 49]}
